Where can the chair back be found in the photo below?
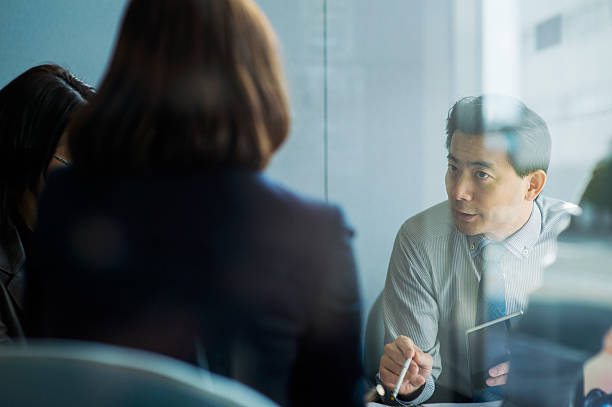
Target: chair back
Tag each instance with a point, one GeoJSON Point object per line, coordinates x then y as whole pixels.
{"type": "Point", "coordinates": [70, 373]}
{"type": "Point", "coordinates": [374, 340]}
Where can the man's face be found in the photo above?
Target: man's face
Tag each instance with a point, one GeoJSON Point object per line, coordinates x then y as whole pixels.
{"type": "Point", "coordinates": [485, 193]}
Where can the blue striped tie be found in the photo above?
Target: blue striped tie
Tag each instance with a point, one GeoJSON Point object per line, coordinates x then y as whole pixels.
{"type": "Point", "coordinates": [491, 302]}
{"type": "Point", "coordinates": [491, 291]}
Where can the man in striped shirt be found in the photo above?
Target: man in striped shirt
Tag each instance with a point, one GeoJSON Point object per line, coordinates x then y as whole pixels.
{"type": "Point", "coordinates": [498, 155]}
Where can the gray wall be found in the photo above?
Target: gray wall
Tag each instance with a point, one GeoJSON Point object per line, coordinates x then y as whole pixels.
{"type": "Point", "coordinates": [391, 78]}
{"type": "Point", "coordinates": [77, 34]}
{"type": "Point", "coordinates": [389, 90]}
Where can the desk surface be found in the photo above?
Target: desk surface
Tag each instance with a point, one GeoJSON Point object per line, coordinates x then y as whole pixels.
{"type": "Point", "coordinates": [487, 404]}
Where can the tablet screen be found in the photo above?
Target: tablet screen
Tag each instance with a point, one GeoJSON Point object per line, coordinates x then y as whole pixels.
{"type": "Point", "coordinates": [487, 346]}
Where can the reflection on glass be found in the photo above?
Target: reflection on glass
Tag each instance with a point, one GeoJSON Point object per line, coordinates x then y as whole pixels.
{"type": "Point", "coordinates": [558, 356]}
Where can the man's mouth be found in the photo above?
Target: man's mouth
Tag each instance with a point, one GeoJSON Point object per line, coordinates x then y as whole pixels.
{"type": "Point", "coordinates": [464, 216]}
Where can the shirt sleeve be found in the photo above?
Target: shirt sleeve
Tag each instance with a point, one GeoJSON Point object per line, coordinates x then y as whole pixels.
{"type": "Point", "coordinates": [410, 305]}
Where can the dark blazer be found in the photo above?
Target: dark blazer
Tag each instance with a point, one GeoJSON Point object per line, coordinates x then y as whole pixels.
{"type": "Point", "coordinates": [226, 270]}
{"type": "Point", "coordinates": [12, 277]}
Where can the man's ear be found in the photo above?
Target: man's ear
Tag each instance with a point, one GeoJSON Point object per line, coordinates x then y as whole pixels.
{"type": "Point", "coordinates": [536, 181]}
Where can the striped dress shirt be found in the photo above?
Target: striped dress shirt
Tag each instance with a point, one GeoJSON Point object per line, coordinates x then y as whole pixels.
{"type": "Point", "coordinates": [432, 283]}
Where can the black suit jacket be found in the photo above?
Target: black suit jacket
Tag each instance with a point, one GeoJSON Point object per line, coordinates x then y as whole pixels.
{"type": "Point", "coordinates": [12, 276]}
{"type": "Point", "coordinates": [261, 281]}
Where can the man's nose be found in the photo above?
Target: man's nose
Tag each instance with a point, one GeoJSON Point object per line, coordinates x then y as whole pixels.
{"type": "Point", "coordinates": [462, 189]}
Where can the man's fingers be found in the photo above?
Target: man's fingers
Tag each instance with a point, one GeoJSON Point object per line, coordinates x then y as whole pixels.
{"type": "Point", "coordinates": [418, 381]}
{"type": "Point", "coordinates": [607, 346]}
{"type": "Point", "coordinates": [424, 362]}
{"type": "Point", "coordinates": [388, 378]}
{"type": "Point", "coordinates": [395, 355]}
{"type": "Point", "coordinates": [394, 369]}
{"type": "Point", "coordinates": [399, 351]}
{"type": "Point", "coordinates": [423, 358]}
{"type": "Point", "coordinates": [389, 364]}
{"type": "Point", "coordinates": [406, 346]}
{"type": "Point", "coordinates": [499, 374]}
{"type": "Point", "coordinates": [413, 370]}
{"type": "Point", "coordinates": [392, 363]}
{"type": "Point", "coordinates": [497, 381]}
{"type": "Point", "coordinates": [499, 370]}
{"type": "Point", "coordinates": [412, 381]}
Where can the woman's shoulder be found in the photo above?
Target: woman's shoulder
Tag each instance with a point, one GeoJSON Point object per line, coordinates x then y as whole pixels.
{"type": "Point", "coordinates": [237, 190]}
{"type": "Point", "coordinates": [311, 210]}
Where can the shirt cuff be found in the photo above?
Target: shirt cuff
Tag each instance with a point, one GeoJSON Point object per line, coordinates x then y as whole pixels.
{"type": "Point", "coordinates": [426, 393]}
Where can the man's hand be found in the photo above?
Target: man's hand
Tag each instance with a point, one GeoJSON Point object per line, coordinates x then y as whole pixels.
{"type": "Point", "coordinates": [392, 361]}
{"type": "Point", "coordinates": [607, 342]}
{"type": "Point", "coordinates": [499, 374]}
{"type": "Point", "coordinates": [598, 369]}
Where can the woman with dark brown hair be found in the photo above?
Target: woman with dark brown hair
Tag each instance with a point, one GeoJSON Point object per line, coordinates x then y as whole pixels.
{"type": "Point", "coordinates": [35, 108]}
{"type": "Point", "coordinates": [165, 235]}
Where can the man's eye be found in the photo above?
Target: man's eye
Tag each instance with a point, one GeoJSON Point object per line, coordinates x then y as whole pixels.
{"type": "Point", "coordinates": [452, 168]}
{"type": "Point", "coordinates": [482, 175]}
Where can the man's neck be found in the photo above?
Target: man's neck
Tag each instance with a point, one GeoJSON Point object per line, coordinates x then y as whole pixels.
{"type": "Point", "coordinates": [514, 227]}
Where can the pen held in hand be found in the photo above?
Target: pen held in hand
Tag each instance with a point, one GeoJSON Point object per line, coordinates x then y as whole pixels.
{"type": "Point", "coordinates": [401, 377]}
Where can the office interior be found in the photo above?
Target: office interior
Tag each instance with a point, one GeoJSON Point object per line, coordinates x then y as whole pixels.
{"type": "Point", "coordinates": [371, 83]}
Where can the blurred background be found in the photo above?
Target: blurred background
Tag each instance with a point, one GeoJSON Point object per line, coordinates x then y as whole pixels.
{"type": "Point", "coordinates": [371, 84]}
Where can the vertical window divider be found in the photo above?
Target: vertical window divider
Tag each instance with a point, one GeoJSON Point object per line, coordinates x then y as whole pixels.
{"type": "Point", "coordinates": [325, 135]}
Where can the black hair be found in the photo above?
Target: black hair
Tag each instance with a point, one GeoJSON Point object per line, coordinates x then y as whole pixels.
{"type": "Point", "coordinates": [35, 108]}
{"type": "Point", "coordinates": [528, 138]}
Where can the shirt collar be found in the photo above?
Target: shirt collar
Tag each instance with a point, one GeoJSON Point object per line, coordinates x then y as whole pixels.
{"type": "Point", "coordinates": [519, 243]}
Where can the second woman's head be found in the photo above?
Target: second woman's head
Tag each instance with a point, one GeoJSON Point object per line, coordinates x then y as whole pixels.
{"type": "Point", "coordinates": [35, 108]}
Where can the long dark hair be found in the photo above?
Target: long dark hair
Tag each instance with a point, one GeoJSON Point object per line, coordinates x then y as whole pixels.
{"type": "Point", "coordinates": [193, 85]}
{"type": "Point", "coordinates": [35, 108]}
